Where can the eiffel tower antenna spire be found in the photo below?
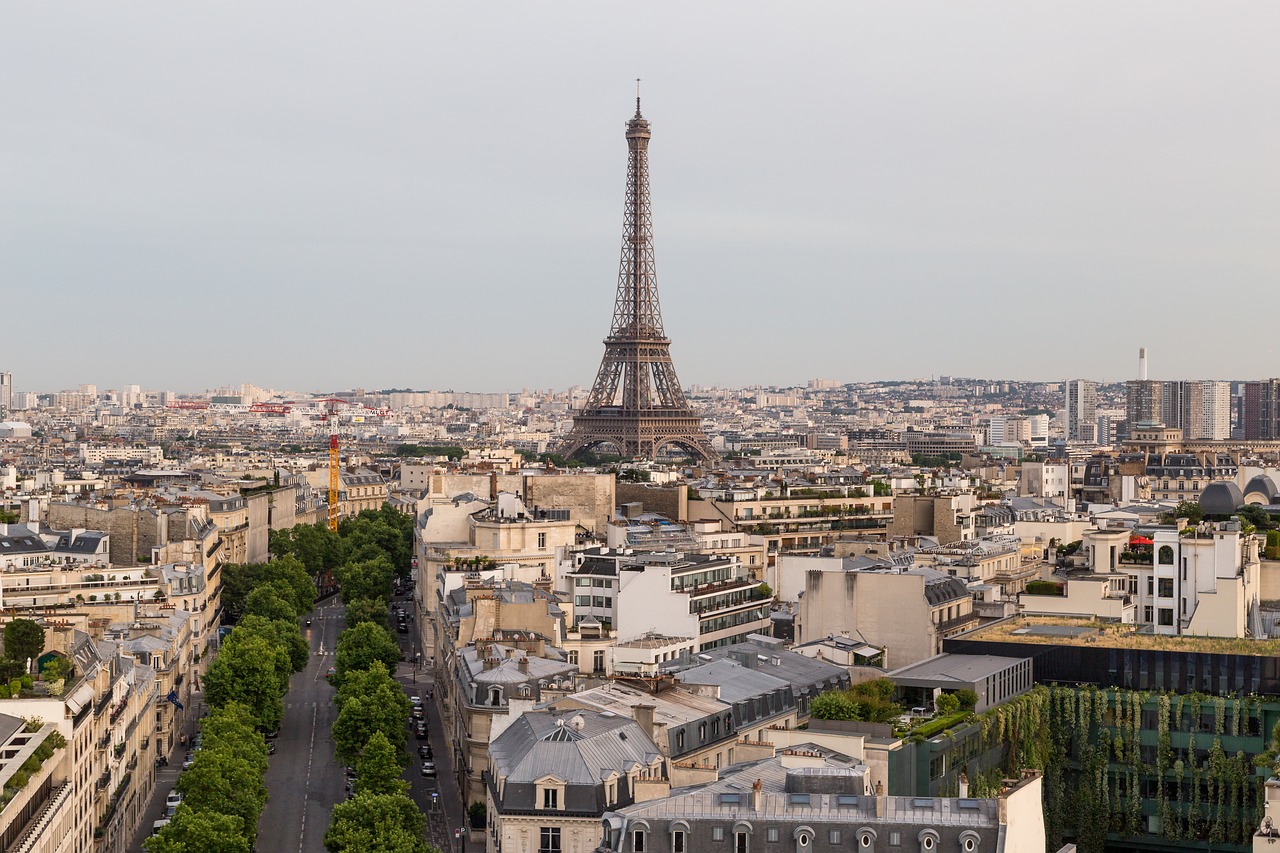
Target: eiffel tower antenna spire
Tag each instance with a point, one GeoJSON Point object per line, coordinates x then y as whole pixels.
{"type": "Point", "coordinates": [636, 403]}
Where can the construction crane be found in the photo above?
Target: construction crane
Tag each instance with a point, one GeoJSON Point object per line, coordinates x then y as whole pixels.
{"type": "Point", "coordinates": [331, 405]}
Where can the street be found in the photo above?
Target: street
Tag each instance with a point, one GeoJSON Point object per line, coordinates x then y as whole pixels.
{"type": "Point", "coordinates": [304, 780]}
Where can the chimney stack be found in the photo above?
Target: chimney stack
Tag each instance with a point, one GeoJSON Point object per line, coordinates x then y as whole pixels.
{"type": "Point", "coordinates": [1142, 363]}
{"type": "Point", "coordinates": [964, 785]}
{"type": "Point", "coordinates": [757, 796]}
{"type": "Point", "coordinates": [643, 715]}
{"type": "Point", "coordinates": [524, 666]}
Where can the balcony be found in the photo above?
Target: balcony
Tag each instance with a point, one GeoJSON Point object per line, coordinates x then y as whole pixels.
{"type": "Point", "coordinates": [956, 624]}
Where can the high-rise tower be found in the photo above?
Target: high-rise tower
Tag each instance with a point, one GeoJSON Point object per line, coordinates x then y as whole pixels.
{"type": "Point", "coordinates": [637, 404]}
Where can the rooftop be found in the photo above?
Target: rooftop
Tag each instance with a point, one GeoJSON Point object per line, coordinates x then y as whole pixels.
{"type": "Point", "coordinates": [1058, 631]}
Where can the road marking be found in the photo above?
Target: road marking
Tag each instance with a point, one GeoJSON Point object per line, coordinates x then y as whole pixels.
{"type": "Point", "coordinates": [306, 787]}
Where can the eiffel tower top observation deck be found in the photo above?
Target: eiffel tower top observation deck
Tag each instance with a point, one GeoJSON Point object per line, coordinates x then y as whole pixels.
{"type": "Point", "coordinates": [636, 404]}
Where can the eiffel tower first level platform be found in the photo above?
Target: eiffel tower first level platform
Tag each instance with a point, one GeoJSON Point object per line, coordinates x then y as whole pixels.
{"type": "Point", "coordinates": [637, 405]}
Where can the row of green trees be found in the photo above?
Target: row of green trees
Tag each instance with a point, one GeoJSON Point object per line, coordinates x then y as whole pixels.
{"type": "Point", "coordinates": [223, 791]}
{"type": "Point", "coordinates": [373, 711]}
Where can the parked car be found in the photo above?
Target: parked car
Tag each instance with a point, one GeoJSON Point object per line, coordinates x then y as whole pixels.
{"type": "Point", "coordinates": [428, 768]}
{"type": "Point", "coordinates": [421, 730]}
{"type": "Point", "coordinates": [271, 747]}
{"type": "Point", "coordinates": [159, 825]}
{"type": "Point", "coordinates": [415, 700]}
{"type": "Point", "coordinates": [189, 760]}
{"type": "Point", "coordinates": [424, 751]}
{"type": "Point", "coordinates": [419, 713]}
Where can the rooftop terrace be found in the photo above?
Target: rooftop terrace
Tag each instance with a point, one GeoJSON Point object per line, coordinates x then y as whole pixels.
{"type": "Point", "coordinates": [1064, 631]}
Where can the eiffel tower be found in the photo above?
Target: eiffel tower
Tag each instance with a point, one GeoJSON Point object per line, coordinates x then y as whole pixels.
{"type": "Point", "coordinates": [637, 404]}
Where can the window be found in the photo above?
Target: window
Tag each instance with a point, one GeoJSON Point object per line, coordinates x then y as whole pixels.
{"type": "Point", "coordinates": [740, 840]}
{"type": "Point", "coordinates": [637, 841]}
{"type": "Point", "coordinates": [1166, 615]}
{"type": "Point", "coordinates": [1166, 587]}
{"type": "Point", "coordinates": [680, 740]}
{"type": "Point", "coordinates": [550, 799]}
{"type": "Point", "coordinates": [717, 833]}
{"type": "Point", "coordinates": [677, 841]}
{"type": "Point", "coordinates": [542, 540]}
{"type": "Point", "coordinates": [597, 660]}
{"type": "Point", "coordinates": [771, 834]}
{"type": "Point", "coordinates": [550, 840]}
{"type": "Point", "coordinates": [702, 732]}
{"type": "Point", "coordinates": [573, 658]}
{"type": "Point", "coordinates": [1147, 613]}
{"type": "Point", "coordinates": [895, 839]}
{"type": "Point", "coordinates": [834, 836]}
{"type": "Point", "coordinates": [1151, 585]}
{"type": "Point", "coordinates": [1165, 555]}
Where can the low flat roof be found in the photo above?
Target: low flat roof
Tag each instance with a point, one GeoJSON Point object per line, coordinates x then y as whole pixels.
{"type": "Point", "coordinates": [954, 668]}
{"type": "Point", "coordinates": [1061, 630]}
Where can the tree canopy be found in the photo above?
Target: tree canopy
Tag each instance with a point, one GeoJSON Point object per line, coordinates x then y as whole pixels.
{"type": "Point", "coordinates": [366, 579]}
{"type": "Point", "coordinates": [192, 831]}
{"type": "Point", "coordinates": [366, 610]}
{"type": "Point", "coordinates": [387, 823]}
{"type": "Point", "coordinates": [384, 709]}
{"type": "Point", "coordinates": [253, 671]}
{"type": "Point", "coordinates": [23, 639]}
{"type": "Point", "coordinates": [378, 770]}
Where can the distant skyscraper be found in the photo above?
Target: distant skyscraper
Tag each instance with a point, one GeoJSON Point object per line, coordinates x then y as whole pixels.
{"type": "Point", "coordinates": [1082, 398]}
{"type": "Point", "coordinates": [1106, 430]}
{"type": "Point", "coordinates": [1260, 413]}
{"type": "Point", "coordinates": [6, 393]}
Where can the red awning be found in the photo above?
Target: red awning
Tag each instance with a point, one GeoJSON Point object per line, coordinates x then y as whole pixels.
{"type": "Point", "coordinates": [1140, 540]}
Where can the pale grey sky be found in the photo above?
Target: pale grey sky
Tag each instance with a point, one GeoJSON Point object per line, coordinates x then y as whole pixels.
{"type": "Point", "coordinates": [322, 195]}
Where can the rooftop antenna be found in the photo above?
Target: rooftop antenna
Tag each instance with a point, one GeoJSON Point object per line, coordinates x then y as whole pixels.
{"type": "Point", "coordinates": [637, 97]}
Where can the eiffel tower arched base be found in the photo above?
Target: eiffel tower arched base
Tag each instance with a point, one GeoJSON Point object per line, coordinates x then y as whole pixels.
{"type": "Point", "coordinates": [639, 436]}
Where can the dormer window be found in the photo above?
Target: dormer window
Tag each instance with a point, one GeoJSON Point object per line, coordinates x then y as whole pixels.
{"type": "Point", "coordinates": [550, 798]}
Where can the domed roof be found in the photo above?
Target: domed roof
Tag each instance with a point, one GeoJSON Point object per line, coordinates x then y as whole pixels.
{"type": "Point", "coordinates": [1221, 498]}
{"type": "Point", "coordinates": [1263, 487]}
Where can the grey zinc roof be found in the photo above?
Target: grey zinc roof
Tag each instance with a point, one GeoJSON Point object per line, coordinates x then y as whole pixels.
{"type": "Point", "coordinates": [578, 747]}
{"type": "Point", "coordinates": [800, 670]}
{"type": "Point", "coordinates": [960, 669]}
{"type": "Point", "coordinates": [736, 681]}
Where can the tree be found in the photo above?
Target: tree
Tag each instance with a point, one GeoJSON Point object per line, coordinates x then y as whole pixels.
{"type": "Point", "coordinates": [365, 682]}
{"type": "Point", "coordinates": [317, 547]}
{"type": "Point", "coordinates": [280, 633]}
{"type": "Point", "coordinates": [386, 823]}
{"type": "Point", "coordinates": [1190, 510]}
{"type": "Point", "coordinates": [231, 728]}
{"type": "Point", "coordinates": [834, 705]}
{"type": "Point", "coordinates": [968, 699]}
{"type": "Point", "coordinates": [361, 645]}
{"type": "Point", "coordinates": [366, 578]}
{"type": "Point", "coordinates": [23, 639]}
{"type": "Point", "coordinates": [880, 489]}
{"type": "Point", "coordinates": [385, 711]}
{"type": "Point", "coordinates": [947, 704]}
{"type": "Point", "coordinates": [290, 573]}
{"type": "Point", "coordinates": [250, 670]}
{"type": "Point", "coordinates": [220, 781]}
{"type": "Point", "coordinates": [378, 770]}
{"type": "Point", "coordinates": [366, 610]}
{"type": "Point", "coordinates": [267, 601]}
{"type": "Point", "coordinates": [192, 831]}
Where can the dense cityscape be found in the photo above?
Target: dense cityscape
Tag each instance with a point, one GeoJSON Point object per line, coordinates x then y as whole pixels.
{"type": "Point", "coordinates": [986, 614]}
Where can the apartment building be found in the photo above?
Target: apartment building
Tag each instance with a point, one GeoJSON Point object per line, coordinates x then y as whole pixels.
{"type": "Point", "coordinates": [710, 597]}
{"type": "Point", "coordinates": [90, 799]}
{"type": "Point", "coordinates": [905, 611]}
{"type": "Point", "coordinates": [553, 776]}
{"type": "Point", "coordinates": [809, 797]}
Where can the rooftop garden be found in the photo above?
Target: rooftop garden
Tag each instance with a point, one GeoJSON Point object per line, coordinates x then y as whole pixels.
{"type": "Point", "coordinates": [1118, 636]}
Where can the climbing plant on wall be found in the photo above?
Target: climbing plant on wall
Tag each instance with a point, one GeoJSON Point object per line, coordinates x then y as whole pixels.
{"type": "Point", "coordinates": [1089, 745]}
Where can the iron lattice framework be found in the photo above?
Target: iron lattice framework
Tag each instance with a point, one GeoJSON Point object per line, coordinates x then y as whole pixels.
{"type": "Point", "coordinates": [636, 403]}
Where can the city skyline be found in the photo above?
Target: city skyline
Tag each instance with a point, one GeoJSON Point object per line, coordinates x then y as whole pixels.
{"type": "Point", "coordinates": [409, 199]}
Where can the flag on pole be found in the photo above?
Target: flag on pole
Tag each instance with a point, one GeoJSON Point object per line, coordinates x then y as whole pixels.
{"type": "Point", "coordinates": [173, 698]}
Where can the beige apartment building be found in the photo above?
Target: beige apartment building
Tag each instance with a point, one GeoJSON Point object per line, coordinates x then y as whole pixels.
{"type": "Point", "coordinates": [907, 612]}
{"type": "Point", "coordinates": [794, 523]}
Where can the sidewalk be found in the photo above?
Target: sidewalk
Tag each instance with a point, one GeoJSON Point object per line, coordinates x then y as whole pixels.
{"type": "Point", "coordinates": [167, 775]}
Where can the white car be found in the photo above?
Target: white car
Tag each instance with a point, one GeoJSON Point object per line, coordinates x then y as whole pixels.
{"type": "Point", "coordinates": [415, 700]}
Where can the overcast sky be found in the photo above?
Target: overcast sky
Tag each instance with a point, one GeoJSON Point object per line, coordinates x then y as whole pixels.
{"type": "Point", "coordinates": [316, 195]}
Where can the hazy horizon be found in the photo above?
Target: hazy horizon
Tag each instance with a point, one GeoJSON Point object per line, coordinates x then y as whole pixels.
{"type": "Point", "coordinates": [325, 196]}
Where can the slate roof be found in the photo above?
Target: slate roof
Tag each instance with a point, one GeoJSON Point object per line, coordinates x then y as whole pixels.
{"type": "Point", "coordinates": [736, 681]}
{"type": "Point", "coordinates": [577, 747]}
